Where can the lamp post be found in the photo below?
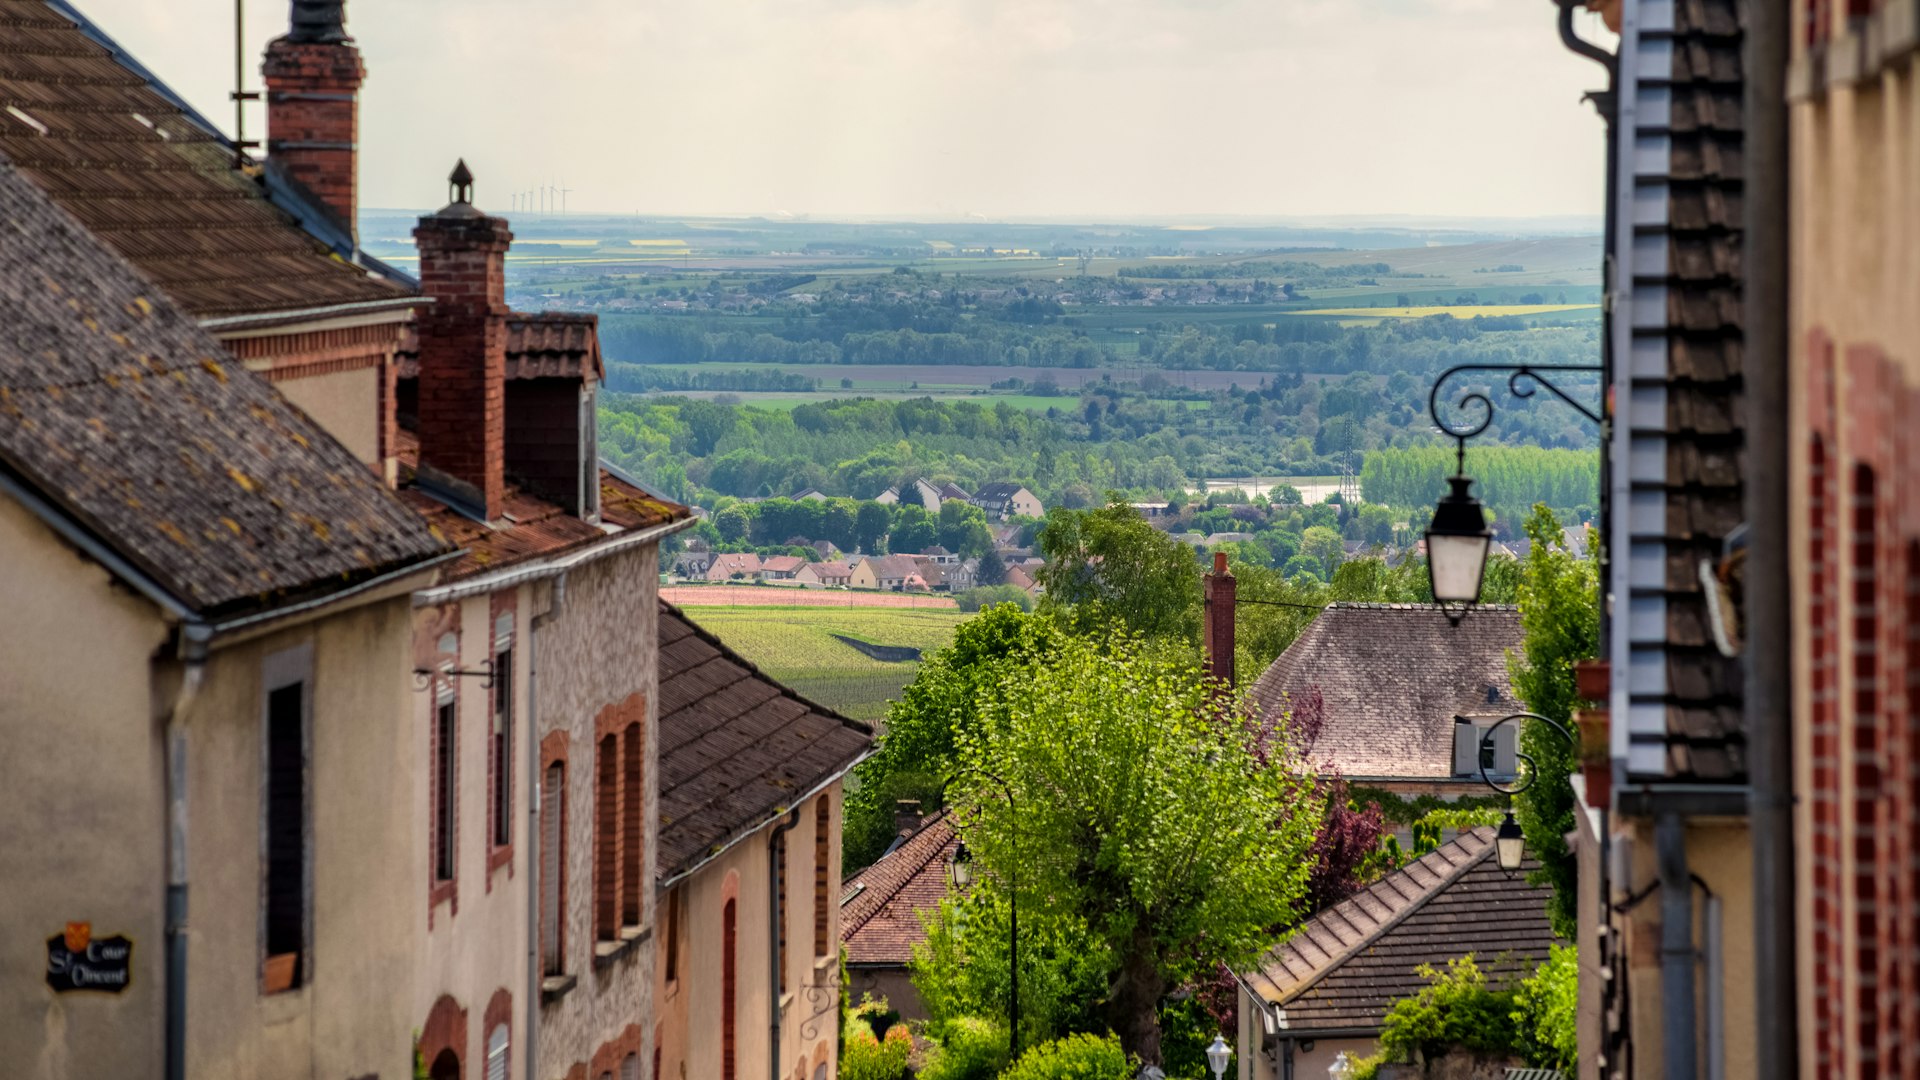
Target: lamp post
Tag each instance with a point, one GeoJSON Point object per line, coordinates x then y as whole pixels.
{"type": "Point", "coordinates": [1458, 539]}
{"type": "Point", "coordinates": [1510, 843]}
{"type": "Point", "coordinates": [1341, 1069]}
{"type": "Point", "coordinates": [1217, 1056]}
{"type": "Point", "coordinates": [962, 869]}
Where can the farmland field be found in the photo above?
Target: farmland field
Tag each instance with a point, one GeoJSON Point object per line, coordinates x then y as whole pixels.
{"type": "Point", "coordinates": [1458, 312]}
{"type": "Point", "coordinates": [797, 646]}
{"type": "Point", "coordinates": [787, 596]}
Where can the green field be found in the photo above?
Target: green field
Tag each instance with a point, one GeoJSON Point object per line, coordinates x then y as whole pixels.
{"type": "Point", "coordinates": [797, 647]}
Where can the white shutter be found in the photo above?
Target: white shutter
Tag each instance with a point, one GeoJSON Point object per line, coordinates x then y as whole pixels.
{"type": "Point", "coordinates": [497, 1053]}
{"type": "Point", "coordinates": [1505, 763]}
{"type": "Point", "coordinates": [1466, 750]}
{"type": "Point", "coordinates": [630, 1068]}
{"type": "Point", "coordinates": [552, 792]}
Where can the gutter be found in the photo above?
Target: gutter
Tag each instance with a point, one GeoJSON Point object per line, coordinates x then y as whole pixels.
{"type": "Point", "coordinates": [281, 318]}
{"type": "Point", "coordinates": [1679, 1041]}
{"type": "Point", "coordinates": [776, 928]}
{"type": "Point", "coordinates": [516, 575]}
{"type": "Point", "coordinates": [194, 647]}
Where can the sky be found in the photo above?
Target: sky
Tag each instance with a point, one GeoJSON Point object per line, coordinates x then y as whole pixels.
{"type": "Point", "coordinates": [944, 109]}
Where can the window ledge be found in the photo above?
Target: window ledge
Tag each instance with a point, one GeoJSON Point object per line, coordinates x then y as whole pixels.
{"type": "Point", "coordinates": [824, 962]}
{"type": "Point", "coordinates": [786, 999]}
{"type": "Point", "coordinates": [555, 987]}
{"type": "Point", "coordinates": [606, 952]}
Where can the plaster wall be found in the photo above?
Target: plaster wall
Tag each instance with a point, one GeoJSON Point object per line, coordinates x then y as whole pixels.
{"type": "Point", "coordinates": [690, 1007]}
{"type": "Point", "coordinates": [475, 942]}
{"type": "Point", "coordinates": [600, 649]}
{"type": "Point", "coordinates": [82, 806]}
{"type": "Point", "coordinates": [346, 403]}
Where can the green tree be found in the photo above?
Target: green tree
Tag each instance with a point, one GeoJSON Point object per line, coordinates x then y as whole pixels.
{"type": "Point", "coordinates": [870, 523]}
{"type": "Point", "coordinates": [1109, 566]}
{"type": "Point", "coordinates": [1139, 806]}
{"type": "Point", "coordinates": [1560, 621]}
{"type": "Point", "coordinates": [963, 529]}
{"type": "Point", "coordinates": [1322, 545]}
{"type": "Point", "coordinates": [914, 530]}
{"type": "Point", "coordinates": [1544, 1010]}
{"type": "Point", "coordinates": [733, 523]}
{"type": "Point", "coordinates": [993, 569]}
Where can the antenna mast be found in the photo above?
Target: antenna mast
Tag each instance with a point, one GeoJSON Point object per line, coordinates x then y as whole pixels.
{"type": "Point", "coordinates": [240, 95]}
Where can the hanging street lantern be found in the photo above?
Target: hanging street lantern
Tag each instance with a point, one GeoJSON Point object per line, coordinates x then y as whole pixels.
{"type": "Point", "coordinates": [962, 866]}
{"type": "Point", "coordinates": [1457, 544]}
{"type": "Point", "coordinates": [1510, 844]}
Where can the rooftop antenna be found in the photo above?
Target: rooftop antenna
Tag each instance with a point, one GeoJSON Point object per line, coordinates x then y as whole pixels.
{"type": "Point", "coordinates": [240, 95]}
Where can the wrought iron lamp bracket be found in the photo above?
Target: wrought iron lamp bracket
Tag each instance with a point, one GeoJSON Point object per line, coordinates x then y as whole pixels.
{"type": "Point", "coordinates": [1523, 381]}
{"type": "Point", "coordinates": [423, 677]}
{"type": "Point", "coordinates": [1532, 773]}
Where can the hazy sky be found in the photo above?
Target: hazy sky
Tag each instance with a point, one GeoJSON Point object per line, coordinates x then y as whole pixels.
{"type": "Point", "coordinates": [944, 107]}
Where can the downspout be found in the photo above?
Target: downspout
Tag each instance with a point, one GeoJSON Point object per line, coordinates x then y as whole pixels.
{"type": "Point", "coordinates": [1679, 1042]}
{"type": "Point", "coordinates": [1768, 588]}
{"type": "Point", "coordinates": [535, 975]}
{"type": "Point", "coordinates": [195, 637]}
{"type": "Point", "coordinates": [776, 917]}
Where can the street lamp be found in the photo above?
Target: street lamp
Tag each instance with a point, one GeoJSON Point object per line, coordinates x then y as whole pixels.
{"type": "Point", "coordinates": [962, 866]}
{"type": "Point", "coordinates": [1217, 1055]}
{"type": "Point", "coordinates": [1457, 545]}
{"type": "Point", "coordinates": [1510, 844]}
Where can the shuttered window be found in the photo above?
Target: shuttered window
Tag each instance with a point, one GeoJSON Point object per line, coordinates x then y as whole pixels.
{"type": "Point", "coordinates": [729, 987]}
{"type": "Point", "coordinates": [286, 831]}
{"type": "Point", "coordinates": [606, 801]}
{"type": "Point", "coordinates": [553, 860]}
{"type": "Point", "coordinates": [445, 730]}
{"type": "Point", "coordinates": [632, 837]}
{"type": "Point", "coordinates": [630, 1068]}
{"type": "Point", "coordinates": [497, 1053]}
{"type": "Point", "coordinates": [673, 934]}
{"type": "Point", "coordinates": [502, 748]}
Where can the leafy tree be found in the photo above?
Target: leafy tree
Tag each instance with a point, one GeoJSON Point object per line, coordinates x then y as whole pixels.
{"type": "Point", "coordinates": [733, 523]}
{"type": "Point", "coordinates": [916, 751]}
{"type": "Point", "coordinates": [993, 569]}
{"type": "Point", "coordinates": [1178, 834]}
{"type": "Point", "coordinates": [870, 523]}
{"type": "Point", "coordinates": [1560, 621]}
{"type": "Point", "coordinates": [914, 531]}
{"type": "Point", "coordinates": [1545, 1008]}
{"type": "Point", "coordinates": [1322, 545]}
{"type": "Point", "coordinates": [986, 596]}
{"type": "Point", "coordinates": [706, 424]}
{"type": "Point", "coordinates": [1109, 566]}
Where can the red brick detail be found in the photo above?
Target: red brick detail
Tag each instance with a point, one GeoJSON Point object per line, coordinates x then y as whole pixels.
{"type": "Point", "coordinates": [500, 756]}
{"type": "Point", "coordinates": [822, 891]}
{"type": "Point", "coordinates": [1220, 590]}
{"type": "Point", "coordinates": [1823, 643]}
{"type": "Point", "coordinates": [620, 872]}
{"type": "Point", "coordinates": [313, 119]}
{"type": "Point", "coordinates": [463, 351]}
{"type": "Point", "coordinates": [445, 1031]}
{"type": "Point", "coordinates": [729, 988]}
{"type": "Point", "coordinates": [631, 1042]}
{"type": "Point", "coordinates": [578, 1071]}
{"type": "Point", "coordinates": [633, 802]}
{"type": "Point", "coordinates": [553, 747]}
{"type": "Point", "coordinates": [499, 1014]}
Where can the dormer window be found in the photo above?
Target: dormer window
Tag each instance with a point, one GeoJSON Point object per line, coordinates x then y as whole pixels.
{"type": "Point", "coordinates": [1472, 751]}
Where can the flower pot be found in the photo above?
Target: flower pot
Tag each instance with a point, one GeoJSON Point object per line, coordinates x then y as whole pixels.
{"type": "Point", "coordinates": [1592, 679]}
{"type": "Point", "coordinates": [1596, 762]}
{"type": "Point", "coordinates": [278, 974]}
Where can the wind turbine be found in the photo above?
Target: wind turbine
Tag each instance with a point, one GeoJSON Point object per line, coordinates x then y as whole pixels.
{"type": "Point", "coordinates": [563, 200]}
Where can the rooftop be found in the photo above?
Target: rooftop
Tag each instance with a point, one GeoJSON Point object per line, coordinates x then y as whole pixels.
{"type": "Point", "coordinates": [880, 921]}
{"type": "Point", "coordinates": [737, 749]}
{"type": "Point", "coordinates": [1393, 677]}
{"type": "Point", "coordinates": [135, 423]}
{"type": "Point", "coordinates": [123, 153]}
{"type": "Point", "coordinates": [1346, 966]}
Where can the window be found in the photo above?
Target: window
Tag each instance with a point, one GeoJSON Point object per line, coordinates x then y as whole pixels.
{"type": "Point", "coordinates": [1869, 813]}
{"type": "Point", "coordinates": [286, 863]}
{"type": "Point", "coordinates": [729, 985]}
{"type": "Point", "coordinates": [553, 862]}
{"type": "Point", "coordinates": [497, 1053]}
{"type": "Point", "coordinates": [1470, 753]}
{"type": "Point", "coordinates": [633, 805]}
{"type": "Point", "coordinates": [444, 732]}
{"type": "Point", "coordinates": [673, 934]}
{"type": "Point", "coordinates": [502, 748]}
{"type": "Point", "coordinates": [630, 1067]}
{"type": "Point", "coordinates": [822, 849]}
{"type": "Point", "coordinates": [605, 872]}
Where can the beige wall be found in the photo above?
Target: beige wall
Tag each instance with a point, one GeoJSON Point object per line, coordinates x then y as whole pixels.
{"type": "Point", "coordinates": [84, 806]}
{"type": "Point", "coordinates": [346, 403]}
{"type": "Point", "coordinates": [600, 648]}
{"type": "Point", "coordinates": [85, 813]}
{"type": "Point", "coordinates": [690, 1008]}
{"type": "Point", "coordinates": [475, 944]}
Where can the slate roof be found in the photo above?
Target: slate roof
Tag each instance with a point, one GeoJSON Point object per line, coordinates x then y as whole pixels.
{"type": "Point", "coordinates": [553, 344]}
{"type": "Point", "coordinates": [998, 492]}
{"type": "Point", "coordinates": [880, 921]}
{"type": "Point", "coordinates": [535, 527]}
{"type": "Point", "coordinates": [124, 154]}
{"type": "Point", "coordinates": [737, 748]}
{"type": "Point", "coordinates": [1393, 677]}
{"type": "Point", "coordinates": [134, 422]}
{"type": "Point", "coordinates": [1345, 966]}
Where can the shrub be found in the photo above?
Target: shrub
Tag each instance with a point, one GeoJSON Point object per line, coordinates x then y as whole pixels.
{"type": "Point", "coordinates": [969, 1049]}
{"type": "Point", "coordinates": [1076, 1057]}
{"type": "Point", "coordinates": [867, 1058]}
{"type": "Point", "coordinates": [1455, 1008]}
{"type": "Point", "coordinates": [1544, 1007]}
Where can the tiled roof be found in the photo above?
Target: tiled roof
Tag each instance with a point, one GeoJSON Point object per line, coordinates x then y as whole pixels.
{"type": "Point", "coordinates": [132, 420]}
{"type": "Point", "coordinates": [122, 154]}
{"type": "Point", "coordinates": [554, 344]}
{"type": "Point", "coordinates": [997, 492]}
{"type": "Point", "coordinates": [880, 922]}
{"type": "Point", "coordinates": [893, 566]}
{"type": "Point", "coordinates": [535, 527]}
{"type": "Point", "coordinates": [728, 563]}
{"type": "Point", "coordinates": [776, 564]}
{"type": "Point", "coordinates": [1345, 966]}
{"type": "Point", "coordinates": [1393, 677]}
{"type": "Point", "coordinates": [737, 749]}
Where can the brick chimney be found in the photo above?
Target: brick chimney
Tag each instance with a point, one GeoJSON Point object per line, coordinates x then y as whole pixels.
{"type": "Point", "coordinates": [463, 351]}
{"type": "Point", "coordinates": [1218, 588]}
{"type": "Point", "coordinates": [313, 76]}
{"type": "Point", "coordinates": [907, 818]}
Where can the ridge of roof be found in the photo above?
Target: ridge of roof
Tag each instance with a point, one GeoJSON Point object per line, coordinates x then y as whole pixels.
{"type": "Point", "coordinates": [1474, 854]}
{"type": "Point", "coordinates": [934, 828]}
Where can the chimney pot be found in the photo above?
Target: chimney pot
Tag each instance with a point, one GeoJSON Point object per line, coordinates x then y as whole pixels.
{"type": "Point", "coordinates": [313, 75]}
{"type": "Point", "coordinates": [463, 353]}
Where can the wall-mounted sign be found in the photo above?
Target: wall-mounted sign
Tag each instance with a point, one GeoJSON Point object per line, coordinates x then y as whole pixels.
{"type": "Point", "coordinates": [76, 960]}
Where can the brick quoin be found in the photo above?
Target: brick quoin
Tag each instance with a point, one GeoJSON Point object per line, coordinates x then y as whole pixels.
{"type": "Point", "coordinates": [445, 1029]}
{"type": "Point", "coordinates": [499, 1013]}
{"type": "Point", "coordinates": [615, 1051]}
{"type": "Point", "coordinates": [463, 350]}
{"type": "Point", "coordinates": [313, 119]}
{"type": "Point", "coordinates": [1823, 568]}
